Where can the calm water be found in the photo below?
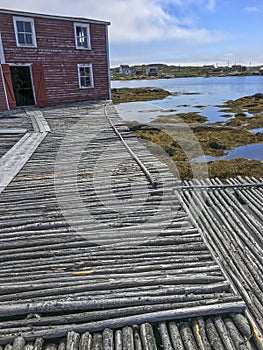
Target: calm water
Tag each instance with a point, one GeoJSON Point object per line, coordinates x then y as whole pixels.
{"type": "Point", "coordinates": [253, 151]}
{"type": "Point", "coordinates": [202, 95]}
{"type": "Point", "coordinates": [255, 131]}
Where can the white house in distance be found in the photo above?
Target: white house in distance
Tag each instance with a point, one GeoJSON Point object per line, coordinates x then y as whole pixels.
{"type": "Point", "coordinates": [125, 69]}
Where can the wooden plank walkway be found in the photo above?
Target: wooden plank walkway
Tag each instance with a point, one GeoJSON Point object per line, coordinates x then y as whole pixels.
{"type": "Point", "coordinates": [17, 156]}
{"type": "Point", "coordinates": [92, 243]}
{"type": "Point", "coordinates": [18, 150]}
{"type": "Point", "coordinates": [230, 332]}
{"type": "Point", "coordinates": [8, 140]}
{"type": "Point", "coordinates": [12, 128]}
{"type": "Point", "coordinates": [88, 243]}
{"type": "Point", "coordinates": [230, 218]}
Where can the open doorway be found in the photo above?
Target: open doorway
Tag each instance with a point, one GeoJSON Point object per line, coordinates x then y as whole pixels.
{"type": "Point", "coordinates": [22, 85]}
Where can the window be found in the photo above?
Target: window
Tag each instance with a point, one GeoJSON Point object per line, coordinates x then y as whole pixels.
{"type": "Point", "coordinates": [82, 36]}
{"type": "Point", "coordinates": [85, 76]}
{"type": "Point", "coordinates": [25, 31]}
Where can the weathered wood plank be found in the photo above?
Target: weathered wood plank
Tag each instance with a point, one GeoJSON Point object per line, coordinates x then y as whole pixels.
{"type": "Point", "coordinates": [175, 256]}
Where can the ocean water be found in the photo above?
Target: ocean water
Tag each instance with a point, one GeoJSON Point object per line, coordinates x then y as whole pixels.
{"type": "Point", "coordinates": [202, 95]}
{"type": "Point", "coordinates": [252, 151]}
{"type": "Point", "coordinates": [255, 131]}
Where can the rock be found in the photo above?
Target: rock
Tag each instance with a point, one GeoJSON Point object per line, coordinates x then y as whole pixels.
{"type": "Point", "coordinates": [258, 96]}
{"type": "Point", "coordinates": [216, 144]}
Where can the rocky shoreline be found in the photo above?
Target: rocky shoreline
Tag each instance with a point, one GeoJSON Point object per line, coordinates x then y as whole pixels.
{"type": "Point", "coordinates": [176, 138]}
{"type": "Point", "coordinates": [120, 95]}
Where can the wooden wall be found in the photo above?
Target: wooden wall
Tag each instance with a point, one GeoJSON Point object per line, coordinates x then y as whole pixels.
{"type": "Point", "coordinates": [3, 104]}
{"type": "Point", "coordinates": [57, 52]}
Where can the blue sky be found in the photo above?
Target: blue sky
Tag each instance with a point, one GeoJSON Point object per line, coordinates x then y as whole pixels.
{"type": "Point", "coordinates": [177, 32]}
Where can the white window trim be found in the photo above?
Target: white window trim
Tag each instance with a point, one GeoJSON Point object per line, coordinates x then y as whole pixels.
{"type": "Point", "coordinates": [2, 54]}
{"type": "Point", "coordinates": [25, 19]}
{"type": "Point", "coordinates": [84, 25]}
{"type": "Point", "coordinates": [91, 76]}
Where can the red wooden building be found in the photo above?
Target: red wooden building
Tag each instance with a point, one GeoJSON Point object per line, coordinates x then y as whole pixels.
{"type": "Point", "coordinates": [48, 60]}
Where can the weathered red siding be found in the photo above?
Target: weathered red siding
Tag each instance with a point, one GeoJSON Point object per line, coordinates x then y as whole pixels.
{"type": "Point", "coordinates": [3, 104]}
{"type": "Point", "coordinates": [8, 86]}
{"type": "Point", "coordinates": [57, 52]}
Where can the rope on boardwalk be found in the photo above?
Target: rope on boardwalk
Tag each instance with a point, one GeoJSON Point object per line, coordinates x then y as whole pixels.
{"type": "Point", "coordinates": [146, 172]}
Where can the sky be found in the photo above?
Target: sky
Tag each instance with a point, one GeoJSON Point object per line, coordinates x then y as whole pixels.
{"type": "Point", "coordinates": [179, 32]}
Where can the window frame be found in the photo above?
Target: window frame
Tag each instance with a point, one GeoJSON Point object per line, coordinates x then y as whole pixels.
{"type": "Point", "coordinates": [88, 65]}
{"type": "Point", "coordinates": [82, 25]}
{"type": "Point", "coordinates": [31, 21]}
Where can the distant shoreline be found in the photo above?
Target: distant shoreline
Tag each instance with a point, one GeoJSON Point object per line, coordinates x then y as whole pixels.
{"type": "Point", "coordinates": [163, 71]}
{"type": "Point", "coordinates": [186, 76]}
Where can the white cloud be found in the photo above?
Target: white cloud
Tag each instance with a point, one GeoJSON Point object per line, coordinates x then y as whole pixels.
{"type": "Point", "coordinates": [211, 5]}
{"type": "Point", "coordinates": [252, 9]}
{"type": "Point", "coordinates": [141, 31]}
{"type": "Point", "coordinates": [136, 20]}
{"type": "Point", "coordinates": [228, 55]}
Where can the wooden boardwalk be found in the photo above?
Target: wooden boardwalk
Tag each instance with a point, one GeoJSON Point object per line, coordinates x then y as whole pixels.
{"type": "Point", "coordinates": [230, 218]}
{"type": "Point", "coordinates": [231, 332]}
{"type": "Point", "coordinates": [12, 127]}
{"type": "Point", "coordinates": [92, 241]}
{"type": "Point", "coordinates": [17, 150]}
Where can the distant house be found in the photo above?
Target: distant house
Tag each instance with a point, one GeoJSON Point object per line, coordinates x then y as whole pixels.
{"type": "Point", "coordinates": [261, 70]}
{"type": "Point", "coordinates": [139, 72]}
{"type": "Point", "coordinates": [48, 60]}
{"type": "Point", "coordinates": [152, 72]}
{"type": "Point", "coordinates": [125, 69]}
{"type": "Point", "coordinates": [238, 68]}
{"type": "Point", "coordinates": [209, 66]}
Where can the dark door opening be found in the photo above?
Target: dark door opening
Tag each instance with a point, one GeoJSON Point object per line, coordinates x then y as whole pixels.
{"type": "Point", "coordinates": [22, 85]}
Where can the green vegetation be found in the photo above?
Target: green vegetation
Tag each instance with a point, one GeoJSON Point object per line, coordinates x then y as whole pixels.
{"type": "Point", "coordinates": [137, 94]}
{"type": "Point", "coordinates": [251, 104]}
{"type": "Point", "coordinates": [213, 141]}
{"type": "Point", "coordinates": [173, 71]}
{"type": "Point", "coordinates": [222, 169]}
{"type": "Point", "coordinates": [178, 138]}
{"type": "Point", "coordinates": [246, 112]}
{"type": "Point", "coordinates": [191, 117]}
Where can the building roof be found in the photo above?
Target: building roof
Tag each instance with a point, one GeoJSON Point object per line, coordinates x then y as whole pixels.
{"type": "Point", "coordinates": [40, 15]}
